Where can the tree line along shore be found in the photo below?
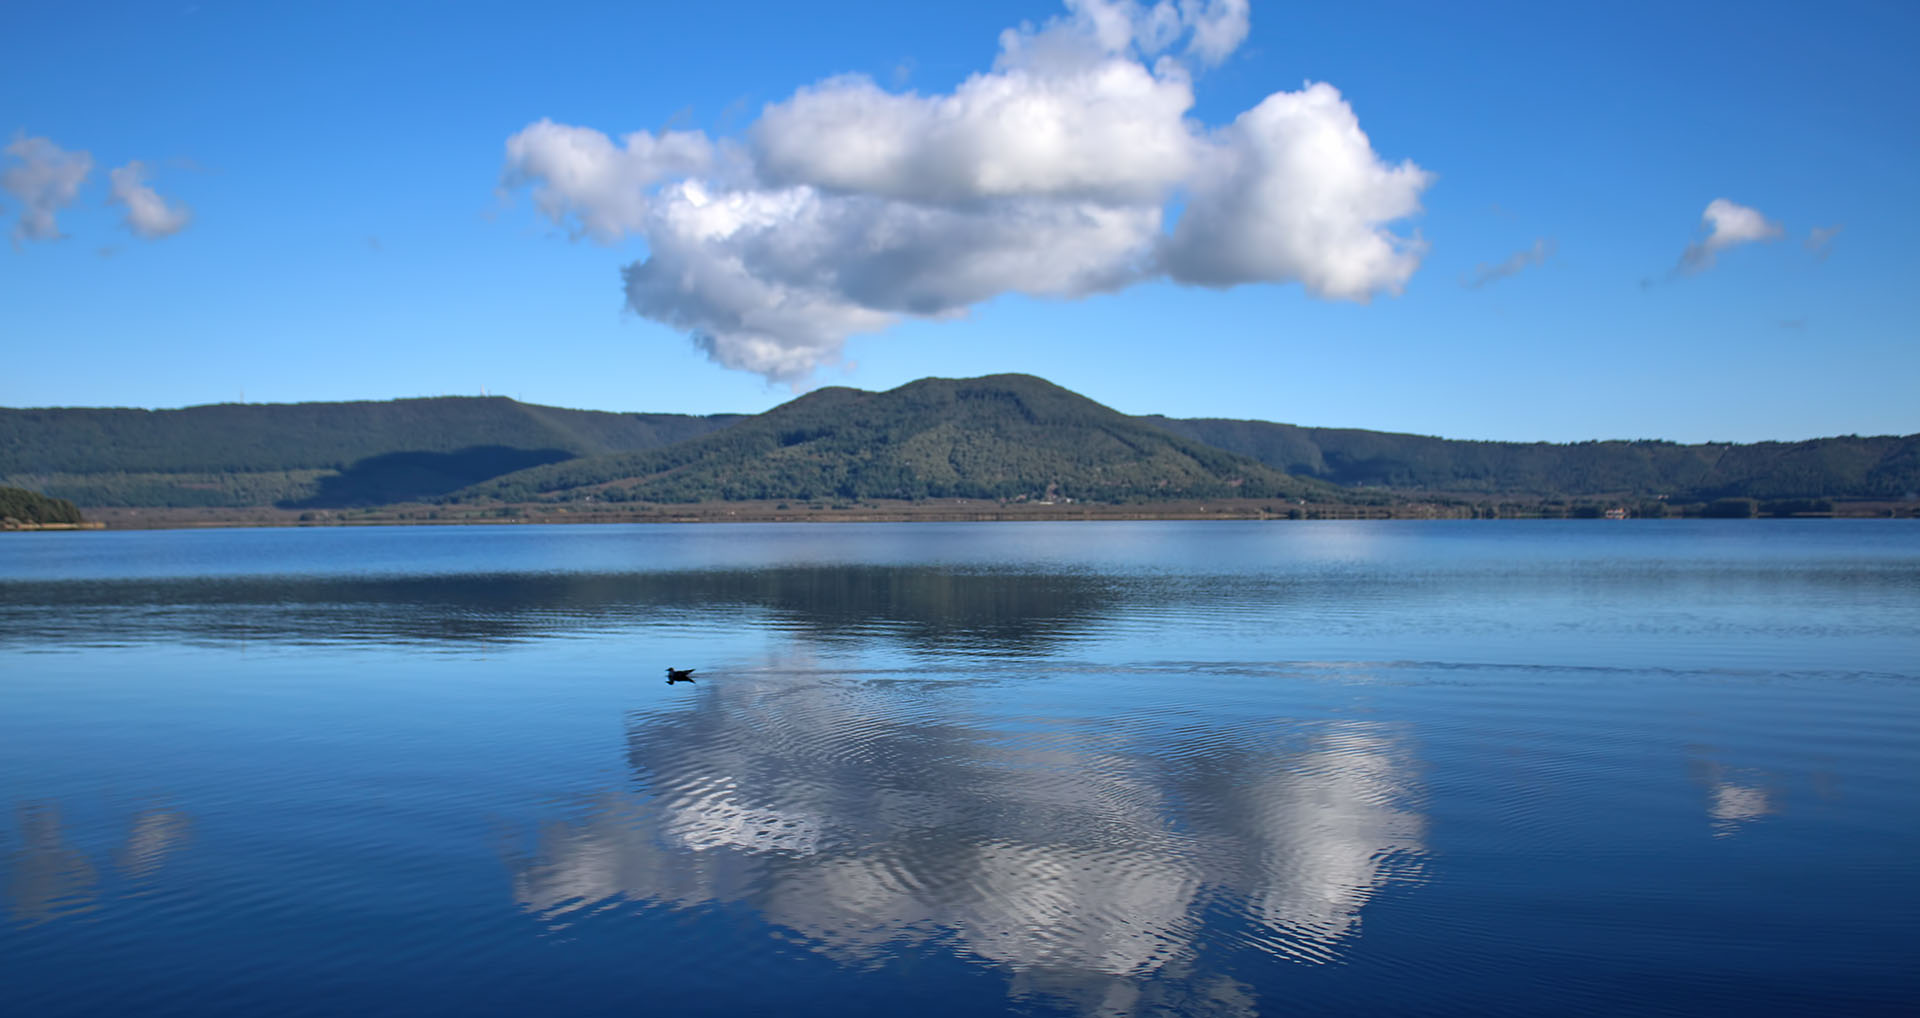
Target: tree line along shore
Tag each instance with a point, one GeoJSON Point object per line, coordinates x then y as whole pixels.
{"type": "Point", "coordinates": [931, 511]}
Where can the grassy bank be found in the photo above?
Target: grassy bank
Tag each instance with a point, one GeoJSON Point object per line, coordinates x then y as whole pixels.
{"type": "Point", "coordinates": [874, 511]}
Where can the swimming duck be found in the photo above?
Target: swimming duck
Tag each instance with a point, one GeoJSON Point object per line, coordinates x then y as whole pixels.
{"type": "Point", "coordinates": [679, 675]}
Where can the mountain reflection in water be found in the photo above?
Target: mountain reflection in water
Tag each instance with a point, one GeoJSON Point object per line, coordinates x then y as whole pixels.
{"type": "Point", "coordinates": [920, 606]}
{"type": "Point", "coordinates": [1074, 850]}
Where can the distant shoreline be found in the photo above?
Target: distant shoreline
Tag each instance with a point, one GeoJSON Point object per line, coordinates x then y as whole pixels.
{"type": "Point", "coordinates": [865, 511]}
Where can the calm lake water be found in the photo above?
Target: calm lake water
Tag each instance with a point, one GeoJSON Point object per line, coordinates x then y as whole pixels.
{"type": "Point", "coordinates": [1078, 769]}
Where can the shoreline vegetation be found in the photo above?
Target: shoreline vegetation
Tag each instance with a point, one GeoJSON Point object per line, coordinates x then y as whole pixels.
{"type": "Point", "coordinates": [935, 511]}
{"type": "Point", "coordinates": [21, 509]}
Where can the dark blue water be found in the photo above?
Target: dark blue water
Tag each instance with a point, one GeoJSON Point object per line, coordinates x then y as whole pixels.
{"type": "Point", "coordinates": [1653, 767]}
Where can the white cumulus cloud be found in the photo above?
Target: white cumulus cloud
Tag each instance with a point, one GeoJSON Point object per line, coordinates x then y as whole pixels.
{"type": "Point", "coordinates": [44, 180]}
{"type": "Point", "coordinates": [1219, 27]}
{"type": "Point", "coordinates": [1108, 131]}
{"type": "Point", "coordinates": [1728, 225]}
{"type": "Point", "coordinates": [1292, 190]}
{"type": "Point", "coordinates": [148, 214]}
{"type": "Point", "coordinates": [580, 173]}
{"type": "Point", "coordinates": [846, 207]}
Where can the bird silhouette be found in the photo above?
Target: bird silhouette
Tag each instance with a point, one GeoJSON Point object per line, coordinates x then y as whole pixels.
{"type": "Point", "coordinates": [679, 675]}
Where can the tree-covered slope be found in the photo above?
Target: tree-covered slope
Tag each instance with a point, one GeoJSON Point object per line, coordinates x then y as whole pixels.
{"type": "Point", "coordinates": [997, 437]}
{"type": "Point", "coordinates": [1848, 466]}
{"type": "Point", "coordinates": [305, 436]}
{"type": "Point", "coordinates": [18, 505]}
{"type": "Point", "coordinates": [309, 453]}
{"type": "Point", "coordinates": [1001, 436]}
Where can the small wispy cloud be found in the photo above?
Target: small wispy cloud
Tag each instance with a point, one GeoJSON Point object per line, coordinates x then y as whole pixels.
{"type": "Point", "coordinates": [1512, 265]}
{"type": "Point", "coordinates": [1728, 224]}
{"type": "Point", "coordinates": [902, 74]}
{"type": "Point", "coordinates": [1819, 240]}
{"type": "Point", "coordinates": [148, 214]}
{"type": "Point", "coordinates": [45, 179]}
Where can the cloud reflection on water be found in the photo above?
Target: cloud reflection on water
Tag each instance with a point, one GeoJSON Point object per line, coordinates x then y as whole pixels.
{"type": "Point", "coordinates": [1080, 852]}
{"type": "Point", "coordinates": [1734, 805]}
{"type": "Point", "coordinates": [48, 877]}
{"type": "Point", "coordinates": [1735, 797]}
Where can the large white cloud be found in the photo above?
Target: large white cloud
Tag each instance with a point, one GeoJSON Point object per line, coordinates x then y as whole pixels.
{"type": "Point", "coordinates": [1292, 190]}
{"type": "Point", "coordinates": [847, 207]}
{"type": "Point", "coordinates": [773, 281]}
{"type": "Point", "coordinates": [45, 179]}
{"type": "Point", "coordinates": [579, 173]}
{"type": "Point", "coordinates": [1110, 131]}
{"type": "Point", "coordinates": [1728, 225]}
{"type": "Point", "coordinates": [148, 214]}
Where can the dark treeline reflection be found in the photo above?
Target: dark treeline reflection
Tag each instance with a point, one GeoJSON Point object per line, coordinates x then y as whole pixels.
{"type": "Point", "coordinates": [1114, 860]}
{"type": "Point", "coordinates": [920, 606]}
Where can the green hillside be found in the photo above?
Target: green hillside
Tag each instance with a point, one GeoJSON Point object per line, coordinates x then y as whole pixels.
{"type": "Point", "coordinates": [998, 437]}
{"type": "Point", "coordinates": [17, 505]}
{"type": "Point", "coordinates": [309, 453]}
{"type": "Point", "coordinates": [1002, 436]}
{"type": "Point", "coordinates": [1847, 467]}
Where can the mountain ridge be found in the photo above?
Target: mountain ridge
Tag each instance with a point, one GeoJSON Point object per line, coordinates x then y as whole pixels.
{"type": "Point", "coordinates": [381, 452]}
{"type": "Point", "coordinates": [340, 453]}
{"type": "Point", "coordinates": [1879, 466]}
{"type": "Point", "coordinates": [999, 436]}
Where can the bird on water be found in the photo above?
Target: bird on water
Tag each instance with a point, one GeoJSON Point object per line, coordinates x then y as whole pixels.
{"type": "Point", "coordinates": [679, 675]}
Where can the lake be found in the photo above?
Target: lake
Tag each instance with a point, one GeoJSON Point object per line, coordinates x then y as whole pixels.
{"type": "Point", "coordinates": [1549, 767]}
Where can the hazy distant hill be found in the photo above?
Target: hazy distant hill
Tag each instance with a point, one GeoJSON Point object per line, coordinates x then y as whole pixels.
{"type": "Point", "coordinates": [1848, 466]}
{"type": "Point", "coordinates": [318, 453]}
{"type": "Point", "coordinates": [997, 437]}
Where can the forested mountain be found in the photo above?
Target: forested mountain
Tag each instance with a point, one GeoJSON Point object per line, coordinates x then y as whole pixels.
{"type": "Point", "coordinates": [1001, 436]}
{"type": "Point", "coordinates": [1848, 466]}
{"type": "Point", "coordinates": [323, 436]}
{"type": "Point", "coordinates": [309, 453]}
{"type": "Point", "coordinates": [996, 437]}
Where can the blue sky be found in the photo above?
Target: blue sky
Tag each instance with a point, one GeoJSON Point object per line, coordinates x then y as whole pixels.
{"type": "Point", "coordinates": [320, 202]}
